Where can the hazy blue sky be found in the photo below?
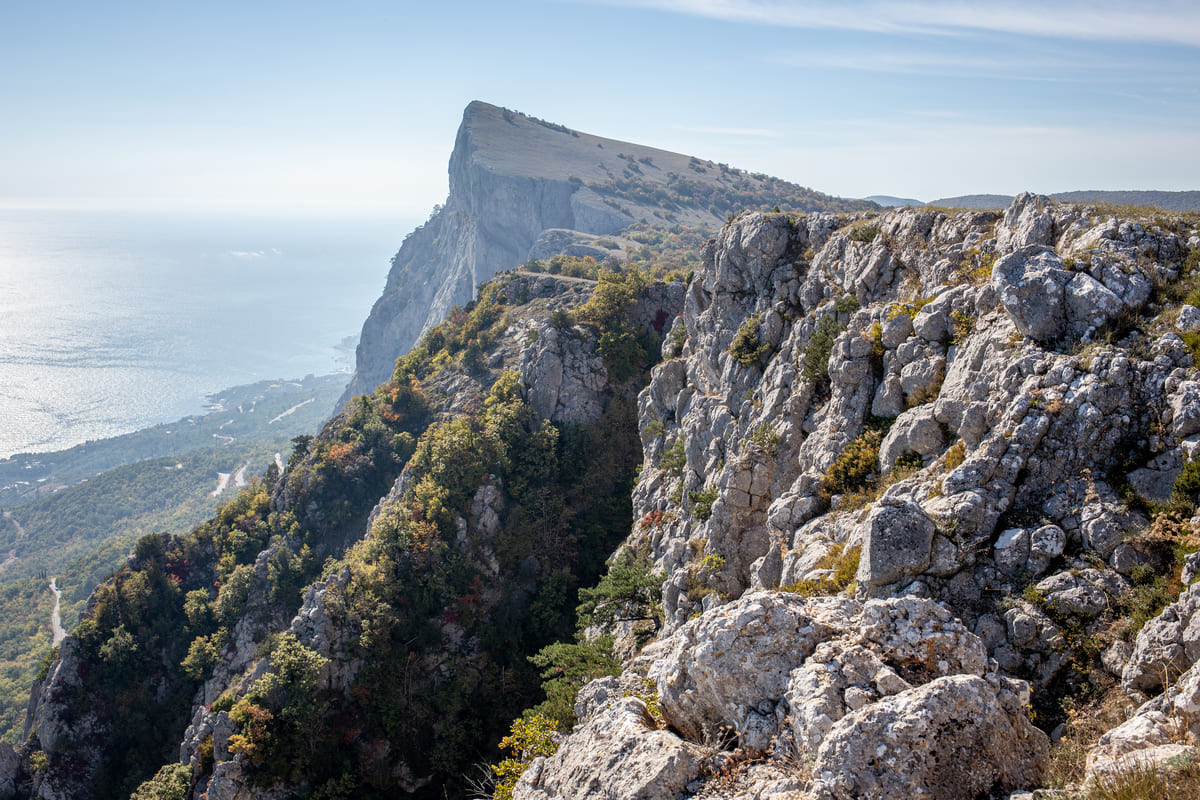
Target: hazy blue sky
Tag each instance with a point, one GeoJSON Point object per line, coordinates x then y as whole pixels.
{"type": "Point", "coordinates": [351, 106]}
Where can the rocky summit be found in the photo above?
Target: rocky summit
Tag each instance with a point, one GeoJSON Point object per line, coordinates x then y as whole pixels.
{"type": "Point", "coordinates": [522, 188]}
{"type": "Point", "coordinates": [872, 505]}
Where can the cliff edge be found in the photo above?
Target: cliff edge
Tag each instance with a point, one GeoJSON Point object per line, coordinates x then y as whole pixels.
{"type": "Point", "coordinates": [523, 188]}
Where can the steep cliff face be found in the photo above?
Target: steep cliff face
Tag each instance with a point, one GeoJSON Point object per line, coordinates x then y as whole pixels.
{"type": "Point", "coordinates": [456, 511]}
{"type": "Point", "coordinates": [522, 188]}
{"type": "Point", "coordinates": [969, 426]}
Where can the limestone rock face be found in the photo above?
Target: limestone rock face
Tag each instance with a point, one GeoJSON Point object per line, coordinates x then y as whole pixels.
{"type": "Point", "coordinates": [730, 667]}
{"type": "Point", "coordinates": [618, 752]}
{"type": "Point", "coordinates": [1166, 646]}
{"type": "Point", "coordinates": [521, 189]}
{"type": "Point", "coordinates": [978, 335]}
{"type": "Point", "coordinates": [565, 375]}
{"type": "Point", "coordinates": [888, 699]}
{"type": "Point", "coordinates": [954, 737]}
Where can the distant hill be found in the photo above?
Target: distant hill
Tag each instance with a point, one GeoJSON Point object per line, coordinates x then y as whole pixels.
{"type": "Point", "coordinates": [74, 514]}
{"type": "Point", "coordinates": [888, 201]}
{"type": "Point", "coordinates": [989, 201]}
{"type": "Point", "coordinates": [1168, 201]}
{"type": "Point", "coordinates": [524, 188]}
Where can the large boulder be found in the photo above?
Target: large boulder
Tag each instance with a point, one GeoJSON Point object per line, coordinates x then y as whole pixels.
{"type": "Point", "coordinates": [618, 752]}
{"type": "Point", "coordinates": [956, 737]}
{"type": "Point", "coordinates": [728, 669]}
{"type": "Point", "coordinates": [1027, 221]}
{"type": "Point", "coordinates": [897, 539]}
{"type": "Point", "coordinates": [898, 642]}
{"type": "Point", "coordinates": [1032, 286]}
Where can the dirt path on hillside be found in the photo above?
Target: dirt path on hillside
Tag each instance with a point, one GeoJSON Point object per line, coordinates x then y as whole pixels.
{"type": "Point", "coordinates": [55, 617]}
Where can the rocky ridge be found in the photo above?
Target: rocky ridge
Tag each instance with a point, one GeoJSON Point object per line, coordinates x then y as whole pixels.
{"type": "Point", "coordinates": [973, 415]}
{"type": "Point", "coordinates": [523, 188]}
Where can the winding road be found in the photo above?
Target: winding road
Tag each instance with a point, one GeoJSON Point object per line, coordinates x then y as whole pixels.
{"type": "Point", "coordinates": [55, 617]}
{"type": "Point", "coordinates": [20, 531]}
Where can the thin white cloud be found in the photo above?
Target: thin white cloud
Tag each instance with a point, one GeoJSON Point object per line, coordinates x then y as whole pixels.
{"type": "Point", "coordinates": [1172, 22]}
{"type": "Point", "coordinates": [752, 132]}
{"type": "Point", "coordinates": [883, 61]}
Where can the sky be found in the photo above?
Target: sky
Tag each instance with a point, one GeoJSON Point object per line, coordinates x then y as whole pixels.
{"type": "Point", "coordinates": [350, 107]}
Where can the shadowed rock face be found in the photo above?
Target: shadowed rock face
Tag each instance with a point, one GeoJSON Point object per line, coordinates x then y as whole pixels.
{"type": "Point", "coordinates": [512, 178]}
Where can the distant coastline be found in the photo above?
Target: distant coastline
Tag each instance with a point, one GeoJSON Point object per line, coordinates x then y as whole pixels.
{"type": "Point", "coordinates": [113, 322]}
{"type": "Point", "coordinates": [236, 414]}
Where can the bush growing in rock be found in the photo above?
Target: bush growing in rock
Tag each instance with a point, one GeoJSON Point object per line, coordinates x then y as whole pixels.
{"type": "Point", "coordinates": [843, 565]}
{"type": "Point", "coordinates": [766, 437]}
{"type": "Point", "coordinates": [529, 738]}
{"type": "Point", "coordinates": [674, 458]}
{"type": "Point", "coordinates": [702, 502]}
{"type": "Point", "coordinates": [857, 465]}
{"type": "Point", "coordinates": [746, 347]}
{"type": "Point", "coordinates": [814, 359]}
{"type": "Point", "coordinates": [864, 232]}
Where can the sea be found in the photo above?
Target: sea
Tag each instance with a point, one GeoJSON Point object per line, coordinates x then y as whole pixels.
{"type": "Point", "coordinates": [114, 321]}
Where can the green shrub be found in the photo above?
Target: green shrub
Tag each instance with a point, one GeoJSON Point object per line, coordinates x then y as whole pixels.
{"type": "Point", "coordinates": [702, 503]}
{"type": "Point", "coordinates": [675, 341]}
{"type": "Point", "coordinates": [562, 320]}
{"type": "Point", "coordinates": [766, 438]}
{"type": "Point", "coordinates": [955, 456]}
{"type": "Point", "coordinates": [529, 738]}
{"type": "Point", "coordinates": [565, 668]}
{"type": "Point", "coordinates": [814, 359]}
{"type": "Point", "coordinates": [1192, 340]}
{"type": "Point", "coordinates": [855, 465]}
{"type": "Point", "coordinates": [847, 304]}
{"type": "Point", "coordinates": [1186, 488]}
{"type": "Point", "coordinates": [964, 326]}
{"type": "Point", "coordinates": [170, 783]}
{"type": "Point", "coordinates": [746, 347]}
{"type": "Point", "coordinates": [864, 232]}
{"type": "Point", "coordinates": [630, 591]}
{"type": "Point", "coordinates": [674, 458]}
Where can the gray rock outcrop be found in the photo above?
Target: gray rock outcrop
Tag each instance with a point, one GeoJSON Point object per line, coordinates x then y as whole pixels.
{"type": "Point", "coordinates": [954, 737]}
{"type": "Point", "coordinates": [618, 752]}
{"type": "Point", "coordinates": [891, 699]}
{"type": "Point", "coordinates": [988, 337]}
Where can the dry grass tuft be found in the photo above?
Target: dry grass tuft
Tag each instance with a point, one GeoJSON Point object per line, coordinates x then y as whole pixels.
{"type": "Point", "coordinates": [1179, 782]}
{"type": "Point", "coordinates": [1086, 723]}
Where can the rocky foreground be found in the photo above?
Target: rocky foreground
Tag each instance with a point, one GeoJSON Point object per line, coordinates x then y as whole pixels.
{"type": "Point", "coordinates": [1027, 384]}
